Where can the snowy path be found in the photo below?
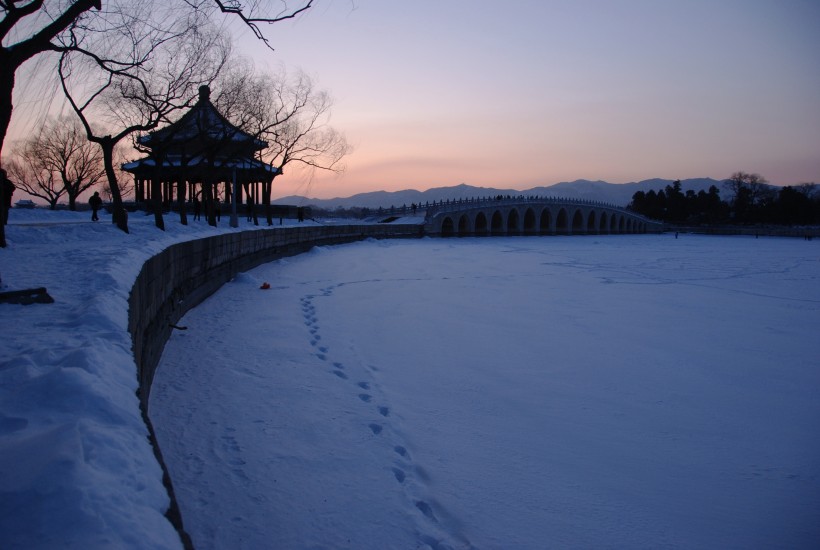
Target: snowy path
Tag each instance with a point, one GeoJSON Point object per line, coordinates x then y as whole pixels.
{"type": "Point", "coordinates": [634, 391]}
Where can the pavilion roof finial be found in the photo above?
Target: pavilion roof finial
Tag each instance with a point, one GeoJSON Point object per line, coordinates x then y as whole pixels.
{"type": "Point", "coordinates": [204, 93]}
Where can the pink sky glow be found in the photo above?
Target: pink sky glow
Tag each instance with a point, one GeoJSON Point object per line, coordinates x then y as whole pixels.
{"type": "Point", "coordinates": [525, 93]}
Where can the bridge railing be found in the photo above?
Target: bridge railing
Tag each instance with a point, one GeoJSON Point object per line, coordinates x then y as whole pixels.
{"type": "Point", "coordinates": [430, 209]}
{"type": "Point", "coordinates": [461, 204]}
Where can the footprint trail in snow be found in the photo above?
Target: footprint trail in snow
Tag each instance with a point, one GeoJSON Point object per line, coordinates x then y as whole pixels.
{"type": "Point", "coordinates": [379, 428]}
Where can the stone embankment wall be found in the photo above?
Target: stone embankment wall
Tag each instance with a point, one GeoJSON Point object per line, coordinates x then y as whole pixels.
{"type": "Point", "coordinates": [183, 275]}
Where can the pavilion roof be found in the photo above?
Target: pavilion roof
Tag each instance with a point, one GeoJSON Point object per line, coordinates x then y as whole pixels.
{"type": "Point", "coordinates": [201, 128]}
{"type": "Point", "coordinates": [200, 166]}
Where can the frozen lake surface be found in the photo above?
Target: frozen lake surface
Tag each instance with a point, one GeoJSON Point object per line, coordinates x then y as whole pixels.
{"type": "Point", "coordinates": [512, 393]}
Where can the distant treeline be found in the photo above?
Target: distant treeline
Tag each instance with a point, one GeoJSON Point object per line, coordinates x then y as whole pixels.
{"type": "Point", "coordinates": [750, 200]}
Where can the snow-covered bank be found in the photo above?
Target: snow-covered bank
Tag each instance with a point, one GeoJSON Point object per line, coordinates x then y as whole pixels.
{"type": "Point", "coordinates": [619, 391]}
{"type": "Point", "coordinates": [76, 469]}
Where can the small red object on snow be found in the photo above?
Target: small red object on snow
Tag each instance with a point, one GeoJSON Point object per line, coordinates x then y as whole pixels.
{"type": "Point", "coordinates": [265, 286]}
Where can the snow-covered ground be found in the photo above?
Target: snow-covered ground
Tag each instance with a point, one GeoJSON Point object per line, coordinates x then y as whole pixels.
{"type": "Point", "coordinates": [76, 469]}
{"type": "Point", "coordinates": [501, 393]}
{"type": "Point", "coordinates": [510, 393]}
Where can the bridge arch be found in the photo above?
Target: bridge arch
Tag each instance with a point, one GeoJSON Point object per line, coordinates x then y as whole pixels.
{"type": "Point", "coordinates": [545, 222]}
{"type": "Point", "coordinates": [562, 222]}
{"type": "Point", "coordinates": [533, 216]}
{"type": "Point", "coordinates": [497, 223]}
{"type": "Point", "coordinates": [513, 222]}
{"type": "Point", "coordinates": [529, 222]}
{"type": "Point", "coordinates": [591, 222]}
{"type": "Point", "coordinates": [480, 224]}
{"type": "Point", "coordinates": [577, 222]}
{"type": "Point", "coordinates": [447, 227]}
{"type": "Point", "coordinates": [464, 226]}
{"type": "Point", "coordinates": [602, 226]}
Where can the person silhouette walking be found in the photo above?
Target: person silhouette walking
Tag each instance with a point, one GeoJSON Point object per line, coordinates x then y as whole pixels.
{"type": "Point", "coordinates": [95, 202]}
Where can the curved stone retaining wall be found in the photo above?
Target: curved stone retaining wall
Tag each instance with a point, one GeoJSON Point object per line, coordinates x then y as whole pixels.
{"type": "Point", "coordinates": [183, 275]}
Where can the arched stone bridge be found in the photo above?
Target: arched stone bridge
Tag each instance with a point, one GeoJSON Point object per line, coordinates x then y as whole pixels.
{"type": "Point", "coordinates": [533, 216]}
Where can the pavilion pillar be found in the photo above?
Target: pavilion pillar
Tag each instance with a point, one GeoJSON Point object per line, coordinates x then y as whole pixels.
{"type": "Point", "coordinates": [208, 201]}
{"type": "Point", "coordinates": [254, 202]}
{"type": "Point", "coordinates": [156, 190]}
{"type": "Point", "coordinates": [236, 198]}
{"type": "Point", "coordinates": [183, 214]}
{"type": "Point", "coordinates": [210, 187]}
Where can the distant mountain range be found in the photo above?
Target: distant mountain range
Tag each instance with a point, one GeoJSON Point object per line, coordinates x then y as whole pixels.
{"type": "Point", "coordinates": [619, 194]}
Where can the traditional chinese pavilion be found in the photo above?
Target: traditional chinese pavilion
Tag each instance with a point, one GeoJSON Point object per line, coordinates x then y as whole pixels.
{"type": "Point", "coordinates": [195, 155]}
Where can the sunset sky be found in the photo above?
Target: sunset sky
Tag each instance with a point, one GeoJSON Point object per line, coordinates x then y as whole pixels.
{"type": "Point", "coordinates": [533, 92]}
{"type": "Point", "coordinates": [523, 93]}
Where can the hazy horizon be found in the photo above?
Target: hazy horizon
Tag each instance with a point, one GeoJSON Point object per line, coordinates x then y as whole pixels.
{"type": "Point", "coordinates": [422, 188]}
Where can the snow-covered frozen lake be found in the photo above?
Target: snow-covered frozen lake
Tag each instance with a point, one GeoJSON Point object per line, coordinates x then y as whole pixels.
{"type": "Point", "coordinates": [516, 393]}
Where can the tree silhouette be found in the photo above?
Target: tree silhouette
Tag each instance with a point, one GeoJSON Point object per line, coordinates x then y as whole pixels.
{"type": "Point", "coordinates": [29, 28]}
{"type": "Point", "coordinates": [58, 160]}
{"type": "Point", "coordinates": [290, 114]}
{"type": "Point", "coordinates": [140, 85]}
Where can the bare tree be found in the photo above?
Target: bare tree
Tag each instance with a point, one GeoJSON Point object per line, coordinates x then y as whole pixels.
{"type": "Point", "coordinates": [289, 113]}
{"type": "Point", "coordinates": [31, 27]}
{"type": "Point", "coordinates": [36, 26]}
{"type": "Point", "coordinates": [32, 176]}
{"type": "Point", "coordinates": [754, 186]}
{"type": "Point", "coordinates": [61, 149]}
{"type": "Point", "coordinates": [36, 23]}
{"type": "Point", "coordinates": [749, 193]}
{"type": "Point", "coordinates": [160, 64]}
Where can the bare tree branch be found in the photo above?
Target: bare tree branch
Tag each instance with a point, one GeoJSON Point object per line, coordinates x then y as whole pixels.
{"type": "Point", "coordinates": [247, 13]}
{"type": "Point", "coordinates": [289, 114]}
{"type": "Point", "coordinates": [161, 64]}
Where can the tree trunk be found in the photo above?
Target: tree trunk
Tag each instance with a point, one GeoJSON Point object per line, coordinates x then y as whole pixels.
{"type": "Point", "coordinates": [156, 201]}
{"type": "Point", "coordinates": [119, 215]}
{"type": "Point", "coordinates": [3, 214]}
{"type": "Point", "coordinates": [6, 89]}
{"type": "Point", "coordinates": [266, 191]}
{"type": "Point", "coordinates": [157, 196]}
